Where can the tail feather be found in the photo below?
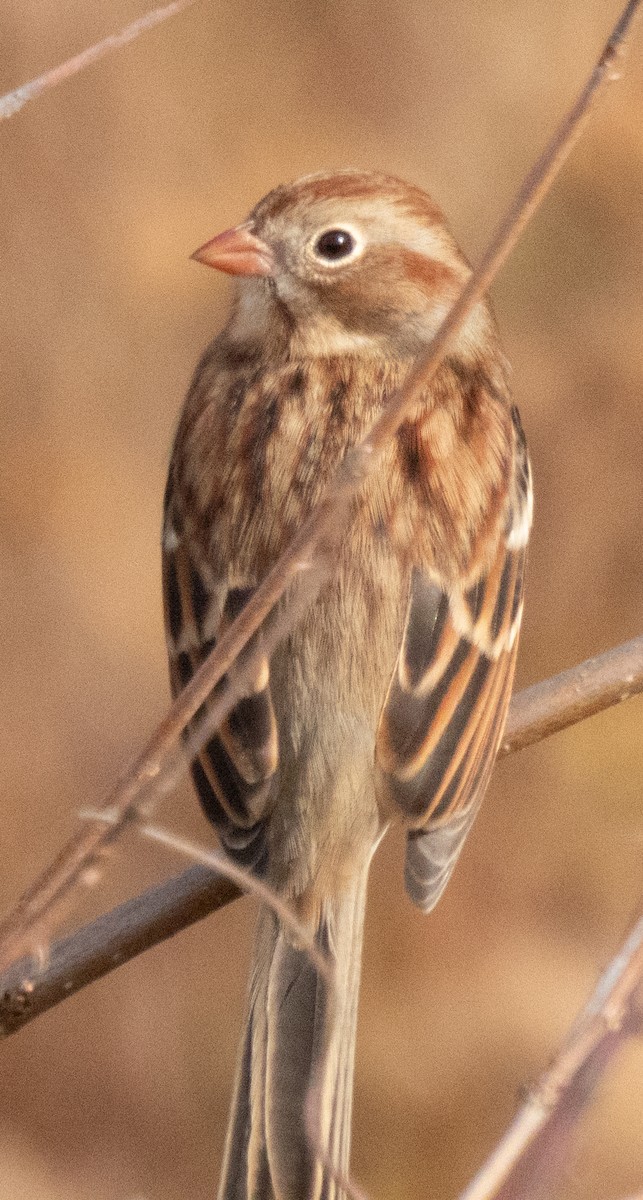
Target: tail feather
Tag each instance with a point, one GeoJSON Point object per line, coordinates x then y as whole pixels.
{"type": "Point", "coordinates": [300, 1035]}
{"type": "Point", "coordinates": [236, 1154]}
{"type": "Point", "coordinates": [348, 957]}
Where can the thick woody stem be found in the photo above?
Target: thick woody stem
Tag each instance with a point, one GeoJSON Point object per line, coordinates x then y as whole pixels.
{"type": "Point", "coordinates": [35, 913]}
{"type": "Point", "coordinates": [115, 938]}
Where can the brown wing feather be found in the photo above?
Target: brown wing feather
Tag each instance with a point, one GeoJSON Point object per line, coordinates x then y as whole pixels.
{"type": "Point", "coordinates": [235, 770]}
{"type": "Point", "coordinates": [447, 702]}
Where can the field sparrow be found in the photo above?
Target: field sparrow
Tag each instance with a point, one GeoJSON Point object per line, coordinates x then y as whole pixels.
{"type": "Point", "coordinates": [388, 700]}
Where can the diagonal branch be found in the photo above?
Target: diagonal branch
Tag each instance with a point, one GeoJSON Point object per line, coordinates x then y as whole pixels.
{"type": "Point", "coordinates": [536, 1136]}
{"type": "Point", "coordinates": [107, 943]}
{"type": "Point", "coordinates": [135, 926]}
{"type": "Point", "coordinates": [36, 911]}
{"type": "Point", "coordinates": [12, 102]}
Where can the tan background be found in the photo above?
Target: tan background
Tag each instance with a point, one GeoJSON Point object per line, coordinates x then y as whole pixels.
{"type": "Point", "coordinates": [106, 186]}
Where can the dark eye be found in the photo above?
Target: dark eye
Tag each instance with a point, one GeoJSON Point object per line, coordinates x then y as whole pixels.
{"type": "Point", "coordinates": [335, 244]}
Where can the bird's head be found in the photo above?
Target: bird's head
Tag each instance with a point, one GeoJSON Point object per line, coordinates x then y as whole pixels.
{"type": "Point", "coordinates": [348, 261]}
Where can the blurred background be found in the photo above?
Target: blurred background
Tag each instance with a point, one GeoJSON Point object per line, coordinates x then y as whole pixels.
{"type": "Point", "coordinates": [107, 185]}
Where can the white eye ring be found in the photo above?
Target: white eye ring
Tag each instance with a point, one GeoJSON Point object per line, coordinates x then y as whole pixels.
{"type": "Point", "coordinates": [336, 245]}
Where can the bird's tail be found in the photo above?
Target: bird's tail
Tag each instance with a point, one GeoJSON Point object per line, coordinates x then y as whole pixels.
{"type": "Point", "coordinates": [297, 1053]}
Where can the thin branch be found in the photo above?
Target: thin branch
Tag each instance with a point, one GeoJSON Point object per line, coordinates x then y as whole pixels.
{"type": "Point", "coordinates": [247, 882]}
{"type": "Point", "coordinates": [14, 101]}
{"type": "Point", "coordinates": [113, 939]}
{"type": "Point", "coordinates": [594, 685]}
{"type": "Point", "coordinates": [28, 928]}
{"type": "Point", "coordinates": [312, 1119]}
{"type": "Point", "coordinates": [541, 1164]}
{"type": "Point", "coordinates": [135, 926]}
{"type": "Point", "coordinates": [323, 962]}
{"type": "Point", "coordinates": [609, 1017]}
{"type": "Point", "coordinates": [35, 912]}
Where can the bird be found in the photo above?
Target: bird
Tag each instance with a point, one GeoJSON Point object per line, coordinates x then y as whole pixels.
{"type": "Point", "coordinates": [385, 705]}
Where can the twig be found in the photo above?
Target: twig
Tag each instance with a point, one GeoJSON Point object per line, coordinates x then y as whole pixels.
{"type": "Point", "coordinates": [99, 947]}
{"type": "Point", "coordinates": [608, 1018]}
{"type": "Point", "coordinates": [36, 910]}
{"type": "Point", "coordinates": [312, 1115]}
{"type": "Point", "coordinates": [594, 685]}
{"type": "Point", "coordinates": [324, 964]}
{"type": "Point", "coordinates": [247, 882]}
{"type": "Point", "coordinates": [27, 929]}
{"type": "Point", "coordinates": [14, 101]}
{"type": "Point", "coordinates": [312, 1118]}
{"type": "Point", "coordinates": [113, 939]}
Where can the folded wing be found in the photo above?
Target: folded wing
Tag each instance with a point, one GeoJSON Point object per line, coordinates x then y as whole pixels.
{"type": "Point", "coordinates": [234, 771]}
{"type": "Point", "coordinates": [447, 702]}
